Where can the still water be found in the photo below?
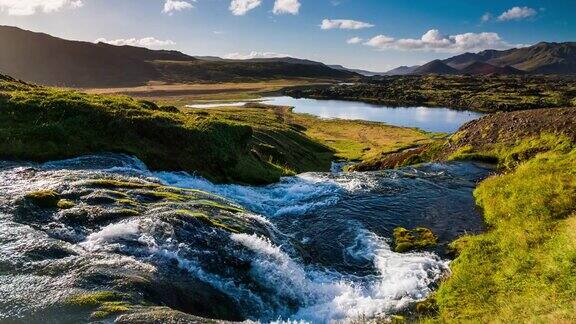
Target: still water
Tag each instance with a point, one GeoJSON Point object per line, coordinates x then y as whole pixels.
{"type": "Point", "coordinates": [443, 120]}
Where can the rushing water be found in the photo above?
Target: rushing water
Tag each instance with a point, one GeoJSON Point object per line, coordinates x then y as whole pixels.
{"type": "Point", "coordinates": [321, 251]}
{"type": "Point", "coordinates": [442, 120]}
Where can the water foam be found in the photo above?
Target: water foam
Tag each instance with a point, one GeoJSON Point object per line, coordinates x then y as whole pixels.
{"type": "Point", "coordinates": [326, 296]}
{"type": "Point", "coordinates": [291, 196]}
{"type": "Point", "coordinates": [111, 234]}
{"type": "Point", "coordinates": [314, 294]}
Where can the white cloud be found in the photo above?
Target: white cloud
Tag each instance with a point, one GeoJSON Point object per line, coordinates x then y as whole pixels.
{"type": "Point", "coordinates": [344, 24]}
{"type": "Point", "coordinates": [149, 42]}
{"type": "Point", "coordinates": [241, 7]}
{"type": "Point", "coordinates": [254, 55]}
{"type": "Point", "coordinates": [30, 7]}
{"type": "Point", "coordinates": [171, 6]}
{"type": "Point", "coordinates": [286, 7]}
{"type": "Point", "coordinates": [380, 41]}
{"type": "Point", "coordinates": [354, 40]}
{"type": "Point", "coordinates": [517, 13]}
{"type": "Point", "coordinates": [433, 40]}
{"type": "Point", "coordinates": [486, 17]}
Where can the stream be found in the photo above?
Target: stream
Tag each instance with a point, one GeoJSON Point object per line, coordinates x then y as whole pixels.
{"type": "Point", "coordinates": [314, 247]}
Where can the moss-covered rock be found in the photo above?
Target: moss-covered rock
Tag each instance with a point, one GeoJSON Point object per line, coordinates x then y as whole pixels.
{"type": "Point", "coordinates": [95, 298]}
{"type": "Point", "coordinates": [65, 204]}
{"type": "Point", "coordinates": [417, 239]}
{"type": "Point", "coordinates": [44, 198]}
{"type": "Point", "coordinates": [104, 303]}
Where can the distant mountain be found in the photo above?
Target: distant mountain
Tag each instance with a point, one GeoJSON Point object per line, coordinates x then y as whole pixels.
{"type": "Point", "coordinates": [290, 60]}
{"type": "Point", "coordinates": [359, 71]}
{"type": "Point", "coordinates": [44, 59]}
{"type": "Point", "coordinates": [434, 67]}
{"type": "Point", "coordinates": [481, 68]}
{"type": "Point", "coordinates": [402, 70]}
{"type": "Point", "coordinates": [210, 58]}
{"type": "Point", "coordinates": [542, 58]}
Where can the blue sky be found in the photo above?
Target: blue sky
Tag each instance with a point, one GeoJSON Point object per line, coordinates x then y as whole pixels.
{"type": "Point", "coordinates": [370, 34]}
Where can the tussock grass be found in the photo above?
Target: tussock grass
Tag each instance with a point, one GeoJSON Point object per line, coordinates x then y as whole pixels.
{"type": "Point", "coordinates": [524, 268]}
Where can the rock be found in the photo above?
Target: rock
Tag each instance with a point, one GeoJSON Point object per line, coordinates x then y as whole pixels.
{"type": "Point", "coordinates": [162, 315]}
{"type": "Point", "coordinates": [44, 198]}
{"type": "Point", "coordinates": [417, 239]}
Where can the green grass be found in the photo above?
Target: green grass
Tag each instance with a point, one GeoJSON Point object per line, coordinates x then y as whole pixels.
{"type": "Point", "coordinates": [40, 124]}
{"type": "Point", "coordinates": [252, 145]}
{"type": "Point", "coordinates": [508, 156]}
{"type": "Point", "coordinates": [523, 269]}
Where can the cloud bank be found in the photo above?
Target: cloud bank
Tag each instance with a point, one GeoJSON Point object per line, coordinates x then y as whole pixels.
{"type": "Point", "coordinates": [344, 24]}
{"type": "Point", "coordinates": [148, 42]}
{"type": "Point", "coordinates": [433, 40]}
{"type": "Point", "coordinates": [31, 7]}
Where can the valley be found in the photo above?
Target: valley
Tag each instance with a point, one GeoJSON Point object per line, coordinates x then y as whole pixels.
{"type": "Point", "coordinates": [241, 161]}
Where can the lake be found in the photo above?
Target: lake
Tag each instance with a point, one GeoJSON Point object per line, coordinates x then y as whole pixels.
{"type": "Point", "coordinates": [437, 119]}
{"type": "Point", "coordinates": [443, 120]}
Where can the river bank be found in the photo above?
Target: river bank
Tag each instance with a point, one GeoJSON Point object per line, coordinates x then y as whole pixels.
{"type": "Point", "coordinates": [521, 269]}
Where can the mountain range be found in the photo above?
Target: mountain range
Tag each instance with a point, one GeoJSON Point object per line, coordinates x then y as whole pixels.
{"type": "Point", "coordinates": [542, 58]}
{"type": "Point", "coordinates": [48, 60]}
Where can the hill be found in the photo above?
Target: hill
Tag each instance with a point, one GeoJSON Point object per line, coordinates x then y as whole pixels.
{"type": "Point", "coordinates": [542, 58]}
{"type": "Point", "coordinates": [48, 60]}
{"type": "Point", "coordinates": [402, 70]}
{"type": "Point", "coordinates": [359, 71]}
{"type": "Point", "coordinates": [481, 68]}
{"type": "Point", "coordinates": [434, 67]}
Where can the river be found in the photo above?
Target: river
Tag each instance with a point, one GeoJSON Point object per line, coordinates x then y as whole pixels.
{"type": "Point", "coordinates": [329, 257]}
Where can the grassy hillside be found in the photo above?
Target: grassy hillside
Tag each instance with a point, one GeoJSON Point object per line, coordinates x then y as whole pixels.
{"type": "Point", "coordinates": [481, 93]}
{"type": "Point", "coordinates": [523, 268]}
{"type": "Point", "coordinates": [41, 124]}
{"type": "Point", "coordinates": [247, 145]}
{"type": "Point", "coordinates": [347, 139]}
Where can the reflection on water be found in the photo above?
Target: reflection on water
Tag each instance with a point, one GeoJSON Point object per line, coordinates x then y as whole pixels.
{"type": "Point", "coordinates": [442, 120]}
